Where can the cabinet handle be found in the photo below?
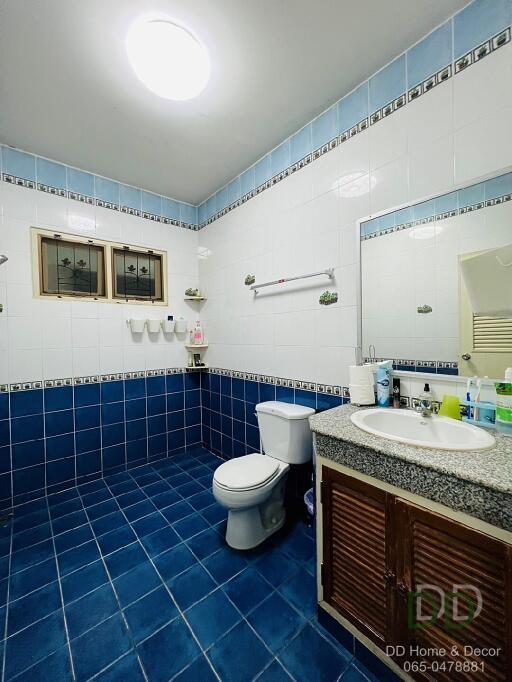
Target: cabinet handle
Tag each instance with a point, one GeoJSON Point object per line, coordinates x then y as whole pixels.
{"type": "Point", "coordinates": [390, 577]}
{"type": "Point", "coordinates": [402, 590]}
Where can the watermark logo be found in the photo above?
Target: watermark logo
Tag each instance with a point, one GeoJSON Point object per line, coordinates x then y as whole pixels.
{"type": "Point", "coordinates": [430, 605]}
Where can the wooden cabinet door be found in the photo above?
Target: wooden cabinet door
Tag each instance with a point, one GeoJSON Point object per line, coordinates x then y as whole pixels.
{"type": "Point", "coordinates": [358, 553]}
{"type": "Point", "coordinates": [455, 559]}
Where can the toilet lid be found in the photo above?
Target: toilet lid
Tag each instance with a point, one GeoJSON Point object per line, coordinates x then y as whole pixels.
{"type": "Point", "coordinates": [249, 471]}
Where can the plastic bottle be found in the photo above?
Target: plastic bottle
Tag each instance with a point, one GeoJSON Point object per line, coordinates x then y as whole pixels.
{"type": "Point", "coordinates": [198, 334]}
{"type": "Point", "coordinates": [504, 404]}
{"type": "Point", "coordinates": [383, 383]}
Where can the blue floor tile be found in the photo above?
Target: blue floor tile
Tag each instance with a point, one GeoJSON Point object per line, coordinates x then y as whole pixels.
{"type": "Point", "coordinates": [205, 543]}
{"type": "Point", "coordinates": [247, 590]}
{"type": "Point", "coordinates": [32, 578]}
{"type": "Point", "coordinates": [276, 567]}
{"type": "Point", "coordinates": [30, 537]}
{"type": "Point", "coordinates": [73, 538]}
{"type": "Point", "coordinates": [160, 541]}
{"type": "Point", "coordinates": [126, 669]}
{"type": "Point", "coordinates": [191, 586]}
{"type": "Point", "coordinates": [96, 648]}
{"type": "Point", "coordinates": [85, 580]}
{"type": "Point", "coordinates": [168, 651]}
{"type": "Point", "coordinates": [177, 511]}
{"type": "Point", "coordinates": [31, 556]}
{"type": "Point", "coordinates": [136, 583]}
{"type": "Point", "coordinates": [239, 656]}
{"type": "Point", "coordinates": [115, 539]}
{"type": "Point", "coordinates": [76, 558]}
{"type": "Point", "coordinates": [212, 617]}
{"type": "Point", "coordinates": [165, 499]}
{"type": "Point", "coordinates": [56, 666]}
{"type": "Point", "coordinates": [33, 607]}
{"type": "Point", "coordinates": [87, 612]}
{"type": "Point", "coordinates": [149, 524]}
{"type": "Point", "coordinates": [123, 560]}
{"type": "Point", "coordinates": [174, 561]}
{"type": "Point", "coordinates": [215, 513]}
{"type": "Point", "coordinates": [310, 656]}
{"type": "Point", "coordinates": [150, 613]}
{"type": "Point", "coordinates": [224, 564]}
{"type": "Point", "coordinates": [139, 510]}
{"type": "Point", "coordinates": [352, 674]}
{"type": "Point", "coordinates": [190, 525]}
{"type": "Point", "coordinates": [107, 523]}
{"type": "Point", "coordinates": [198, 671]}
{"type": "Point", "coordinates": [300, 591]}
{"type": "Point", "coordinates": [276, 622]}
{"type": "Point", "coordinates": [274, 673]}
{"type": "Point", "coordinates": [298, 545]}
{"type": "Point", "coordinates": [34, 643]}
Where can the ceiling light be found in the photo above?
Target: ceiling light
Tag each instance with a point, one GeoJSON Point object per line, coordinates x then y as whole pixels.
{"type": "Point", "coordinates": [168, 59]}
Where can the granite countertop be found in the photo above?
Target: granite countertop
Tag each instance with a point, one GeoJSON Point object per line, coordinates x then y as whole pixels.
{"type": "Point", "coordinates": [478, 482]}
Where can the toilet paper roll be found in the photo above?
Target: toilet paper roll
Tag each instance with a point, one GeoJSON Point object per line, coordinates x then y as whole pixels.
{"type": "Point", "coordinates": [361, 395]}
{"type": "Point", "coordinates": [360, 375]}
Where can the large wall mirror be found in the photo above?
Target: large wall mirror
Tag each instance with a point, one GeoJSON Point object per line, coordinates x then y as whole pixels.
{"type": "Point", "coordinates": [437, 283]}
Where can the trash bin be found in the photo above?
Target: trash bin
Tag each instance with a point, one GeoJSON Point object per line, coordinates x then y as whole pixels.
{"type": "Point", "coordinates": [309, 499]}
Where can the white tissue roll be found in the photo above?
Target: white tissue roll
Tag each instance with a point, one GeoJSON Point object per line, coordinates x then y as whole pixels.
{"type": "Point", "coordinates": [360, 375]}
{"type": "Point", "coordinates": [361, 394]}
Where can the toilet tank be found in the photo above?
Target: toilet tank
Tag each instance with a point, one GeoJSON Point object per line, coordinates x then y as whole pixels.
{"type": "Point", "coordinates": [284, 431]}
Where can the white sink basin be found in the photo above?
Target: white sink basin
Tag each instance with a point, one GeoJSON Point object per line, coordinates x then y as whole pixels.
{"type": "Point", "coordinates": [407, 426]}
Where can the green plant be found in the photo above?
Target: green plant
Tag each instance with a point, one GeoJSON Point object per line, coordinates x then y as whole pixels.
{"type": "Point", "coordinates": [328, 298]}
{"type": "Point", "coordinates": [250, 279]}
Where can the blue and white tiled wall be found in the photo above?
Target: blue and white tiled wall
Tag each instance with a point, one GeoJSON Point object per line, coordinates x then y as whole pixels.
{"type": "Point", "coordinates": [471, 35]}
{"type": "Point", "coordinates": [57, 437]}
{"type": "Point", "coordinates": [34, 172]}
{"type": "Point", "coordinates": [481, 195]}
{"type": "Point", "coordinates": [229, 400]}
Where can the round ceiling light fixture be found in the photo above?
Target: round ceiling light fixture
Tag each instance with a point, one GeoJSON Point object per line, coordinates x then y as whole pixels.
{"type": "Point", "coordinates": [168, 59]}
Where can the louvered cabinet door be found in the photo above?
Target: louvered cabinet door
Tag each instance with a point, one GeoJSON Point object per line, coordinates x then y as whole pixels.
{"type": "Point", "coordinates": [358, 549]}
{"type": "Point", "coordinates": [442, 553]}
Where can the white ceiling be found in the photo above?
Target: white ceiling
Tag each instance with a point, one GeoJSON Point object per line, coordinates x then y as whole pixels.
{"type": "Point", "coordinates": [67, 91]}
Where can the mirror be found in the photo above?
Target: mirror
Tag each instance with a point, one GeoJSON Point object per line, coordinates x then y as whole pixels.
{"type": "Point", "coordinates": [436, 283]}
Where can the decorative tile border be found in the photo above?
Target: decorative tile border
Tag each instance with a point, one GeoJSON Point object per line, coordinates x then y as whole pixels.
{"type": "Point", "coordinates": [64, 192]}
{"type": "Point", "coordinates": [341, 391]}
{"type": "Point", "coordinates": [502, 38]}
{"type": "Point", "coordinates": [91, 379]}
{"type": "Point", "coordinates": [403, 219]}
{"type": "Point", "coordinates": [430, 366]}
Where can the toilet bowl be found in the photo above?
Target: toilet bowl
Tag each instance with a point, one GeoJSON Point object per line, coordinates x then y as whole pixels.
{"type": "Point", "coordinates": [252, 486]}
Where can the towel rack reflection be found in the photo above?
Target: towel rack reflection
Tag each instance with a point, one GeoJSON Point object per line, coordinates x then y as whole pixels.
{"type": "Point", "coordinates": [329, 272]}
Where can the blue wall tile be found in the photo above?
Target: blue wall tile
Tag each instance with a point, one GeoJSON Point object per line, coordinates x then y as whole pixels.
{"type": "Point", "coordinates": [19, 164]}
{"type": "Point", "coordinates": [151, 203]}
{"type": "Point", "coordinates": [247, 181]}
{"type": "Point", "coordinates": [4, 405]}
{"type": "Point", "coordinates": [471, 195]}
{"type": "Point", "coordinates": [27, 428]}
{"type": "Point", "coordinates": [325, 127]}
{"type": "Point", "coordinates": [478, 22]}
{"type": "Point", "coordinates": [301, 144]}
{"type": "Point", "coordinates": [106, 190]}
{"type": "Point", "coordinates": [171, 208]}
{"type": "Point", "coordinates": [388, 84]}
{"type": "Point", "coordinates": [498, 187]}
{"type": "Point", "coordinates": [58, 398]}
{"type": "Point", "coordinates": [57, 423]}
{"type": "Point", "coordinates": [353, 108]}
{"type": "Point", "coordinates": [210, 207]}
{"type": "Point", "coordinates": [430, 55]}
{"type": "Point", "coordinates": [202, 216]}
{"type": "Point", "coordinates": [130, 196]}
{"type": "Point", "coordinates": [280, 158]}
{"type": "Point", "coordinates": [87, 417]}
{"type": "Point", "coordinates": [80, 182]}
{"type": "Point", "coordinates": [234, 191]}
{"type": "Point", "coordinates": [112, 391]}
{"type": "Point", "coordinates": [87, 394]}
{"type": "Point", "coordinates": [27, 454]}
{"type": "Point", "coordinates": [262, 170]}
{"type": "Point", "coordinates": [447, 202]}
{"type": "Point", "coordinates": [221, 199]}
{"type": "Point", "coordinates": [188, 214]}
{"type": "Point", "coordinates": [51, 173]}
{"type": "Point", "coordinates": [26, 402]}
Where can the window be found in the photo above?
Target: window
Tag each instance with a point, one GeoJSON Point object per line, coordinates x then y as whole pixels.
{"type": "Point", "coordinates": [137, 274]}
{"type": "Point", "coordinates": [70, 266]}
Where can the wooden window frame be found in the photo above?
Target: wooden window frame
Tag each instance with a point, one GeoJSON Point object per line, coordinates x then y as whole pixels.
{"type": "Point", "coordinates": [108, 247]}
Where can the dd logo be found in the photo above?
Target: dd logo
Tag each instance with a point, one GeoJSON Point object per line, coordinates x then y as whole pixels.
{"type": "Point", "coordinates": [430, 603]}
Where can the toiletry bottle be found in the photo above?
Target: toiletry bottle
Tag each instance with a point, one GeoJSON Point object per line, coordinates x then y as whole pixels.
{"type": "Point", "coordinates": [396, 392]}
{"type": "Point", "coordinates": [425, 398]}
{"type": "Point", "coordinates": [383, 383]}
{"type": "Point", "coordinates": [504, 404]}
{"type": "Point", "coordinates": [198, 334]}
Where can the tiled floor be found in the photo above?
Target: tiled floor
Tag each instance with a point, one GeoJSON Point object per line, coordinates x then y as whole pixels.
{"type": "Point", "coordinates": [129, 578]}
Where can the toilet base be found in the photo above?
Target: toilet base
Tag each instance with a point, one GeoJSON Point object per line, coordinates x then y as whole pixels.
{"type": "Point", "coordinates": [245, 529]}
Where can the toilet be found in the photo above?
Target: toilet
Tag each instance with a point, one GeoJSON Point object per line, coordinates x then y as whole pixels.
{"type": "Point", "coordinates": [252, 486]}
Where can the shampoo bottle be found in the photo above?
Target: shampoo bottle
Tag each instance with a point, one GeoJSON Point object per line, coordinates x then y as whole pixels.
{"type": "Point", "coordinates": [383, 383]}
{"type": "Point", "coordinates": [198, 334]}
{"type": "Point", "coordinates": [504, 404]}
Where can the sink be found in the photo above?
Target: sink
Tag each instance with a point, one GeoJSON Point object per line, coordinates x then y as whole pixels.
{"type": "Point", "coordinates": [407, 426]}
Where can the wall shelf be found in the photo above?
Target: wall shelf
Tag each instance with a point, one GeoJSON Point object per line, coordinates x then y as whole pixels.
{"type": "Point", "coordinates": [196, 345]}
{"type": "Point", "coordinates": [196, 369]}
{"type": "Point", "coordinates": [195, 298]}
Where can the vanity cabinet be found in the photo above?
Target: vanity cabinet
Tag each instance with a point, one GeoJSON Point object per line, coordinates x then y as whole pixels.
{"type": "Point", "coordinates": [379, 550]}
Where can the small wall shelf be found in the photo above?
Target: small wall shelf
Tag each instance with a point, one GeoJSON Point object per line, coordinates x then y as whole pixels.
{"type": "Point", "coordinates": [195, 298]}
{"type": "Point", "coordinates": [196, 369]}
{"type": "Point", "coordinates": [196, 345]}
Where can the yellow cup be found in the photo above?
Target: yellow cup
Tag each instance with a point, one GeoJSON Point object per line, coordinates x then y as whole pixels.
{"type": "Point", "coordinates": [450, 407]}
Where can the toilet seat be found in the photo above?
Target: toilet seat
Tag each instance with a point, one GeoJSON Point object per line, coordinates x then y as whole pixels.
{"type": "Point", "coordinates": [246, 473]}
